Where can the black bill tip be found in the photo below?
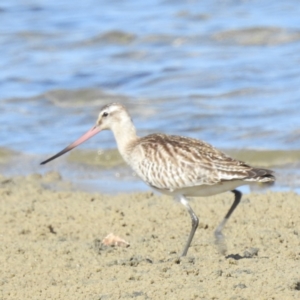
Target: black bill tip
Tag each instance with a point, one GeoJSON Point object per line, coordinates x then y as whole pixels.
{"type": "Point", "coordinates": [56, 155]}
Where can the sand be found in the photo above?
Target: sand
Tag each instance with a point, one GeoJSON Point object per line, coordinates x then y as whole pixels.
{"type": "Point", "coordinates": [51, 245]}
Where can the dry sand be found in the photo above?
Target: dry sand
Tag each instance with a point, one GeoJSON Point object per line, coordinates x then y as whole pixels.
{"type": "Point", "coordinates": [51, 245]}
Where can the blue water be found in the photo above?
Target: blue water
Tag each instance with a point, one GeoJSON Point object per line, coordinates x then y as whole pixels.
{"type": "Point", "coordinates": [223, 71]}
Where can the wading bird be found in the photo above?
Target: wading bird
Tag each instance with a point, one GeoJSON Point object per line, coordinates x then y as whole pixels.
{"type": "Point", "coordinates": [175, 165]}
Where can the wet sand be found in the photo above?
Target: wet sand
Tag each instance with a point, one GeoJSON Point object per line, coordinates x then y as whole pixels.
{"type": "Point", "coordinates": [51, 245]}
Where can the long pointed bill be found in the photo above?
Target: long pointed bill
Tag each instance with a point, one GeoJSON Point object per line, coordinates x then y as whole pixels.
{"type": "Point", "coordinates": [82, 139]}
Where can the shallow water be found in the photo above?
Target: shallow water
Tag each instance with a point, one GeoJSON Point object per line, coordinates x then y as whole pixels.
{"type": "Point", "coordinates": [223, 71]}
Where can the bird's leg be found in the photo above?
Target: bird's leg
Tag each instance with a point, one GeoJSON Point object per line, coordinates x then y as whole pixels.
{"type": "Point", "coordinates": [195, 222]}
{"type": "Point", "coordinates": [219, 237]}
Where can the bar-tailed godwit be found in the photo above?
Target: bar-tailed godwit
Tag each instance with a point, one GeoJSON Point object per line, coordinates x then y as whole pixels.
{"type": "Point", "coordinates": [175, 165]}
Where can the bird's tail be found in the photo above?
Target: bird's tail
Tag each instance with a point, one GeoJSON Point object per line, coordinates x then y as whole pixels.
{"type": "Point", "coordinates": [264, 176]}
{"type": "Point", "coordinates": [261, 175]}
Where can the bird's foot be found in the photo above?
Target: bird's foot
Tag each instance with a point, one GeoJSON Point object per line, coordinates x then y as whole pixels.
{"type": "Point", "coordinates": [220, 242]}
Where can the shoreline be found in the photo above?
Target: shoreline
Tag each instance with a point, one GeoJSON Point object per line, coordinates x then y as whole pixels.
{"type": "Point", "coordinates": [51, 244]}
{"type": "Point", "coordinates": [89, 171]}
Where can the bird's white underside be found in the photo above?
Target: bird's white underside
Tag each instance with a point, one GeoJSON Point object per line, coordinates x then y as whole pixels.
{"type": "Point", "coordinates": [203, 190]}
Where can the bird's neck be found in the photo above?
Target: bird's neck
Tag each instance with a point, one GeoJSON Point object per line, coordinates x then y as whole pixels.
{"type": "Point", "coordinates": [125, 136]}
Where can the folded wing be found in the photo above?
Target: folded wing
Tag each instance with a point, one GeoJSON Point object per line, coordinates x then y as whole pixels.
{"type": "Point", "coordinates": [175, 162]}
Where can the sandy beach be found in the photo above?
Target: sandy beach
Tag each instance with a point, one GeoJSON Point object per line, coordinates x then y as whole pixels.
{"type": "Point", "coordinates": [51, 245]}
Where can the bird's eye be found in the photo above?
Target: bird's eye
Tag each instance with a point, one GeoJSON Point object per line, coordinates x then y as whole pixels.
{"type": "Point", "coordinates": [105, 114]}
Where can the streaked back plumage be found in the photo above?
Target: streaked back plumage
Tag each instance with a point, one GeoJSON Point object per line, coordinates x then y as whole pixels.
{"type": "Point", "coordinates": [170, 162]}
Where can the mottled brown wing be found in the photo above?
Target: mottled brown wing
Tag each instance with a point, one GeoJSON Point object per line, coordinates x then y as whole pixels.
{"type": "Point", "coordinates": [174, 162]}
